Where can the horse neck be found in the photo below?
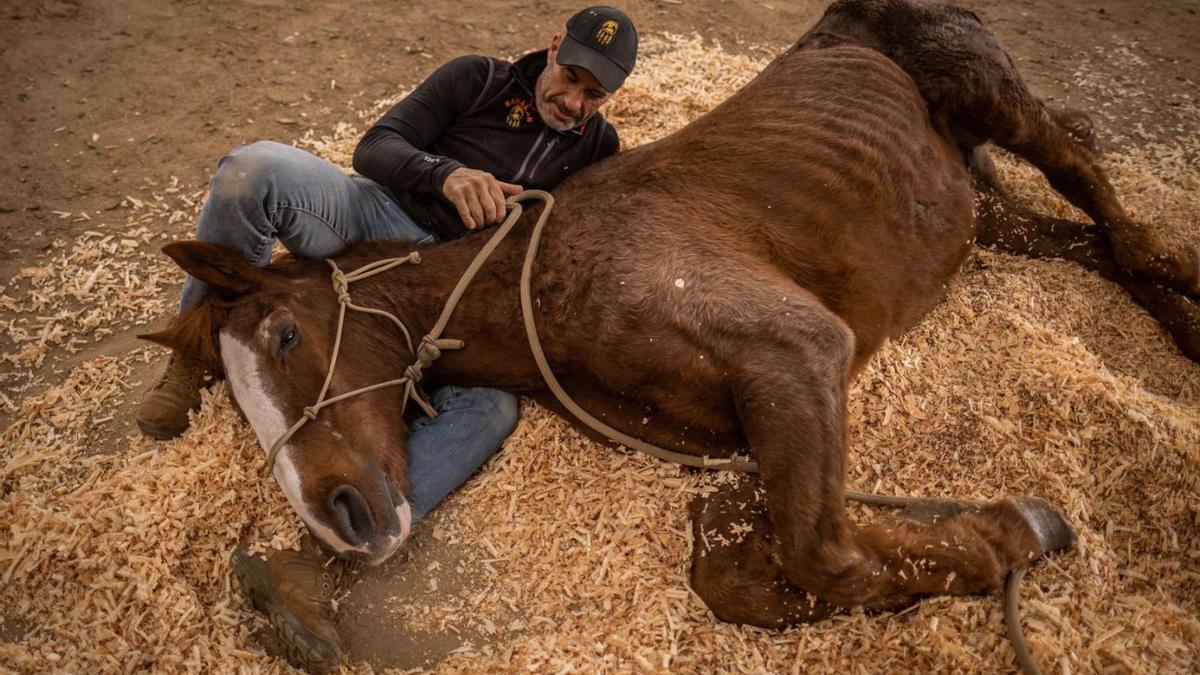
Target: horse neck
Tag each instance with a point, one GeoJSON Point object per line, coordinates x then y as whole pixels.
{"type": "Point", "coordinates": [487, 316]}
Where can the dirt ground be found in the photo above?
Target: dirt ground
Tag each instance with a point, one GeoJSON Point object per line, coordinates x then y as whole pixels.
{"type": "Point", "coordinates": [109, 103]}
{"type": "Point", "coordinates": [103, 98]}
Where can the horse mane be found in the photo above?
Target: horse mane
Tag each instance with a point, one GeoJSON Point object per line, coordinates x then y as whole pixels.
{"type": "Point", "coordinates": [194, 331]}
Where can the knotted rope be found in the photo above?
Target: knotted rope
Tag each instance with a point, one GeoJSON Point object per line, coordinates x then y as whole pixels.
{"type": "Point", "coordinates": [431, 345]}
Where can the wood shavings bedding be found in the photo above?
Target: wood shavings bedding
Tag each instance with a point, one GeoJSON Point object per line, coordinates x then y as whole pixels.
{"type": "Point", "coordinates": [90, 288]}
{"type": "Point", "coordinates": [1033, 377]}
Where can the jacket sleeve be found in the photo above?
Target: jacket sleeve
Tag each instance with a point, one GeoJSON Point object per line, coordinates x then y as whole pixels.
{"type": "Point", "coordinates": [393, 151]}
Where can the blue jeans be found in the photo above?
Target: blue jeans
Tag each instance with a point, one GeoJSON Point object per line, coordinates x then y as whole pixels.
{"type": "Point", "coordinates": [268, 191]}
{"type": "Point", "coordinates": [444, 451]}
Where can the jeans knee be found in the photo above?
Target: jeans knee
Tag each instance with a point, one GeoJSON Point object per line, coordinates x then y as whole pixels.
{"type": "Point", "coordinates": [246, 172]}
{"type": "Point", "coordinates": [498, 409]}
{"type": "Point", "coordinates": [508, 409]}
{"type": "Point", "coordinates": [501, 409]}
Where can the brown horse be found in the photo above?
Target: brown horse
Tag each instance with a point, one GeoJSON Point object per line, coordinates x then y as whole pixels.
{"type": "Point", "coordinates": [714, 291]}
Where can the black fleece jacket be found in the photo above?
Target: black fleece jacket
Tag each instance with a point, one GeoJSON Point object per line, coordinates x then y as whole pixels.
{"type": "Point", "coordinates": [477, 112]}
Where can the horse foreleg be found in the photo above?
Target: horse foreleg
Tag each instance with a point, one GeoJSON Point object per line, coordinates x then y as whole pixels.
{"type": "Point", "coordinates": [735, 564]}
{"type": "Point", "coordinates": [1005, 224]}
{"type": "Point", "coordinates": [736, 568]}
{"type": "Point", "coordinates": [790, 392]}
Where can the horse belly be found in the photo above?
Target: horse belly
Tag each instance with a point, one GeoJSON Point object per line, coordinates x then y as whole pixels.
{"type": "Point", "coordinates": [639, 373]}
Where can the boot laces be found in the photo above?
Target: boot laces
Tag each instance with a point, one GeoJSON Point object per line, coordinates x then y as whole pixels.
{"type": "Point", "coordinates": [182, 370]}
{"type": "Point", "coordinates": [316, 580]}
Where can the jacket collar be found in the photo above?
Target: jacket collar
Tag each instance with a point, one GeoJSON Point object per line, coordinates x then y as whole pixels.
{"type": "Point", "coordinates": [529, 67]}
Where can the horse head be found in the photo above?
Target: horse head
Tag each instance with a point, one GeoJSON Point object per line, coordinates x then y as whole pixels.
{"type": "Point", "coordinates": [271, 331]}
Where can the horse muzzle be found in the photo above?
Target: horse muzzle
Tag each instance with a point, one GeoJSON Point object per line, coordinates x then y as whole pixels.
{"type": "Point", "coordinates": [373, 531]}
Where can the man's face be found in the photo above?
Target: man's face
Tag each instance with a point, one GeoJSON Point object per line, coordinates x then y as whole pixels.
{"type": "Point", "coordinates": [566, 96]}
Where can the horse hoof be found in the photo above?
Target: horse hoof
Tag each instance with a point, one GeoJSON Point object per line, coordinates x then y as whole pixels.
{"type": "Point", "coordinates": [1050, 526]}
{"type": "Point", "coordinates": [1080, 127]}
{"type": "Point", "coordinates": [930, 511]}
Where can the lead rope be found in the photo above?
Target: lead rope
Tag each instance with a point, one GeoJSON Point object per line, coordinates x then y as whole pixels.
{"type": "Point", "coordinates": [1012, 611]}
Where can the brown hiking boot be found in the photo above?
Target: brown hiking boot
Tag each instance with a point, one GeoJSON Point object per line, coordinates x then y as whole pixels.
{"type": "Point", "coordinates": [294, 589]}
{"type": "Point", "coordinates": [164, 410]}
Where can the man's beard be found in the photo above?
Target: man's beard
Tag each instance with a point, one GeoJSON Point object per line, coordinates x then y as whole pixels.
{"type": "Point", "coordinates": [547, 109]}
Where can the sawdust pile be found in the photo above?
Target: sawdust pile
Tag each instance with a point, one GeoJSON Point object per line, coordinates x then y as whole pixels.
{"type": "Point", "coordinates": [1034, 377]}
{"type": "Point", "coordinates": [90, 288]}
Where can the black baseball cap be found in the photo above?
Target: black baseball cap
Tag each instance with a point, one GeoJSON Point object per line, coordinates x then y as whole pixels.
{"type": "Point", "coordinates": [604, 41]}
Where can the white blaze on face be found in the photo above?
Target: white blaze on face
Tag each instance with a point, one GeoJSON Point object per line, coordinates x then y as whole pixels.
{"type": "Point", "coordinates": [242, 373]}
{"type": "Point", "coordinates": [245, 379]}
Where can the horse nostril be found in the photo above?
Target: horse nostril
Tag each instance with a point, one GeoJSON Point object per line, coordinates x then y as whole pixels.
{"type": "Point", "coordinates": [351, 515]}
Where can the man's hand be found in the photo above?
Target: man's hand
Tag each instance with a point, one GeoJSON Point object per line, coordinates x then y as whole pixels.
{"type": "Point", "coordinates": [477, 195]}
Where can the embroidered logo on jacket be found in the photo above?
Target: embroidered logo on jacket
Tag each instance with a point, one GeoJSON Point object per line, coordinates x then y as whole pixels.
{"type": "Point", "coordinates": [608, 29]}
{"type": "Point", "coordinates": [520, 111]}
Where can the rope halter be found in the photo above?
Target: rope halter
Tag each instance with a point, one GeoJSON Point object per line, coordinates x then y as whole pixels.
{"type": "Point", "coordinates": [431, 345]}
{"type": "Point", "coordinates": [341, 287]}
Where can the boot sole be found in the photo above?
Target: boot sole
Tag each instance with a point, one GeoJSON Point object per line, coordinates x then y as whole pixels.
{"type": "Point", "coordinates": [302, 648]}
{"type": "Point", "coordinates": [160, 433]}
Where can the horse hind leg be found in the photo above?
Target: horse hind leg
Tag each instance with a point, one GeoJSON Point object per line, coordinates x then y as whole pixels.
{"type": "Point", "coordinates": [997, 106]}
{"type": "Point", "coordinates": [1079, 125]}
{"type": "Point", "coordinates": [1005, 224]}
{"type": "Point", "coordinates": [1076, 123]}
{"type": "Point", "coordinates": [1074, 172]}
{"type": "Point", "coordinates": [976, 94]}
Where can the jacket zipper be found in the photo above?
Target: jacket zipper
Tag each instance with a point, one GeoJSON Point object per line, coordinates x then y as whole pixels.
{"type": "Point", "coordinates": [532, 149]}
{"type": "Point", "coordinates": [542, 158]}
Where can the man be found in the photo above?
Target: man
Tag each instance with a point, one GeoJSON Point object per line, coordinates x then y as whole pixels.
{"type": "Point", "coordinates": [436, 166]}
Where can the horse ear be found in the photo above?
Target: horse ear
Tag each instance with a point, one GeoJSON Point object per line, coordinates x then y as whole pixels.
{"type": "Point", "coordinates": [218, 266]}
{"type": "Point", "coordinates": [192, 333]}
{"type": "Point", "coordinates": [167, 337]}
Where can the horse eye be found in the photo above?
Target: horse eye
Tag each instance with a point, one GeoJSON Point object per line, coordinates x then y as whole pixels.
{"type": "Point", "coordinates": [287, 338]}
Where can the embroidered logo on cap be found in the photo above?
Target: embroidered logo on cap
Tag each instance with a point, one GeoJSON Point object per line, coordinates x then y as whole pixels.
{"type": "Point", "coordinates": [520, 111]}
{"type": "Point", "coordinates": [608, 29]}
